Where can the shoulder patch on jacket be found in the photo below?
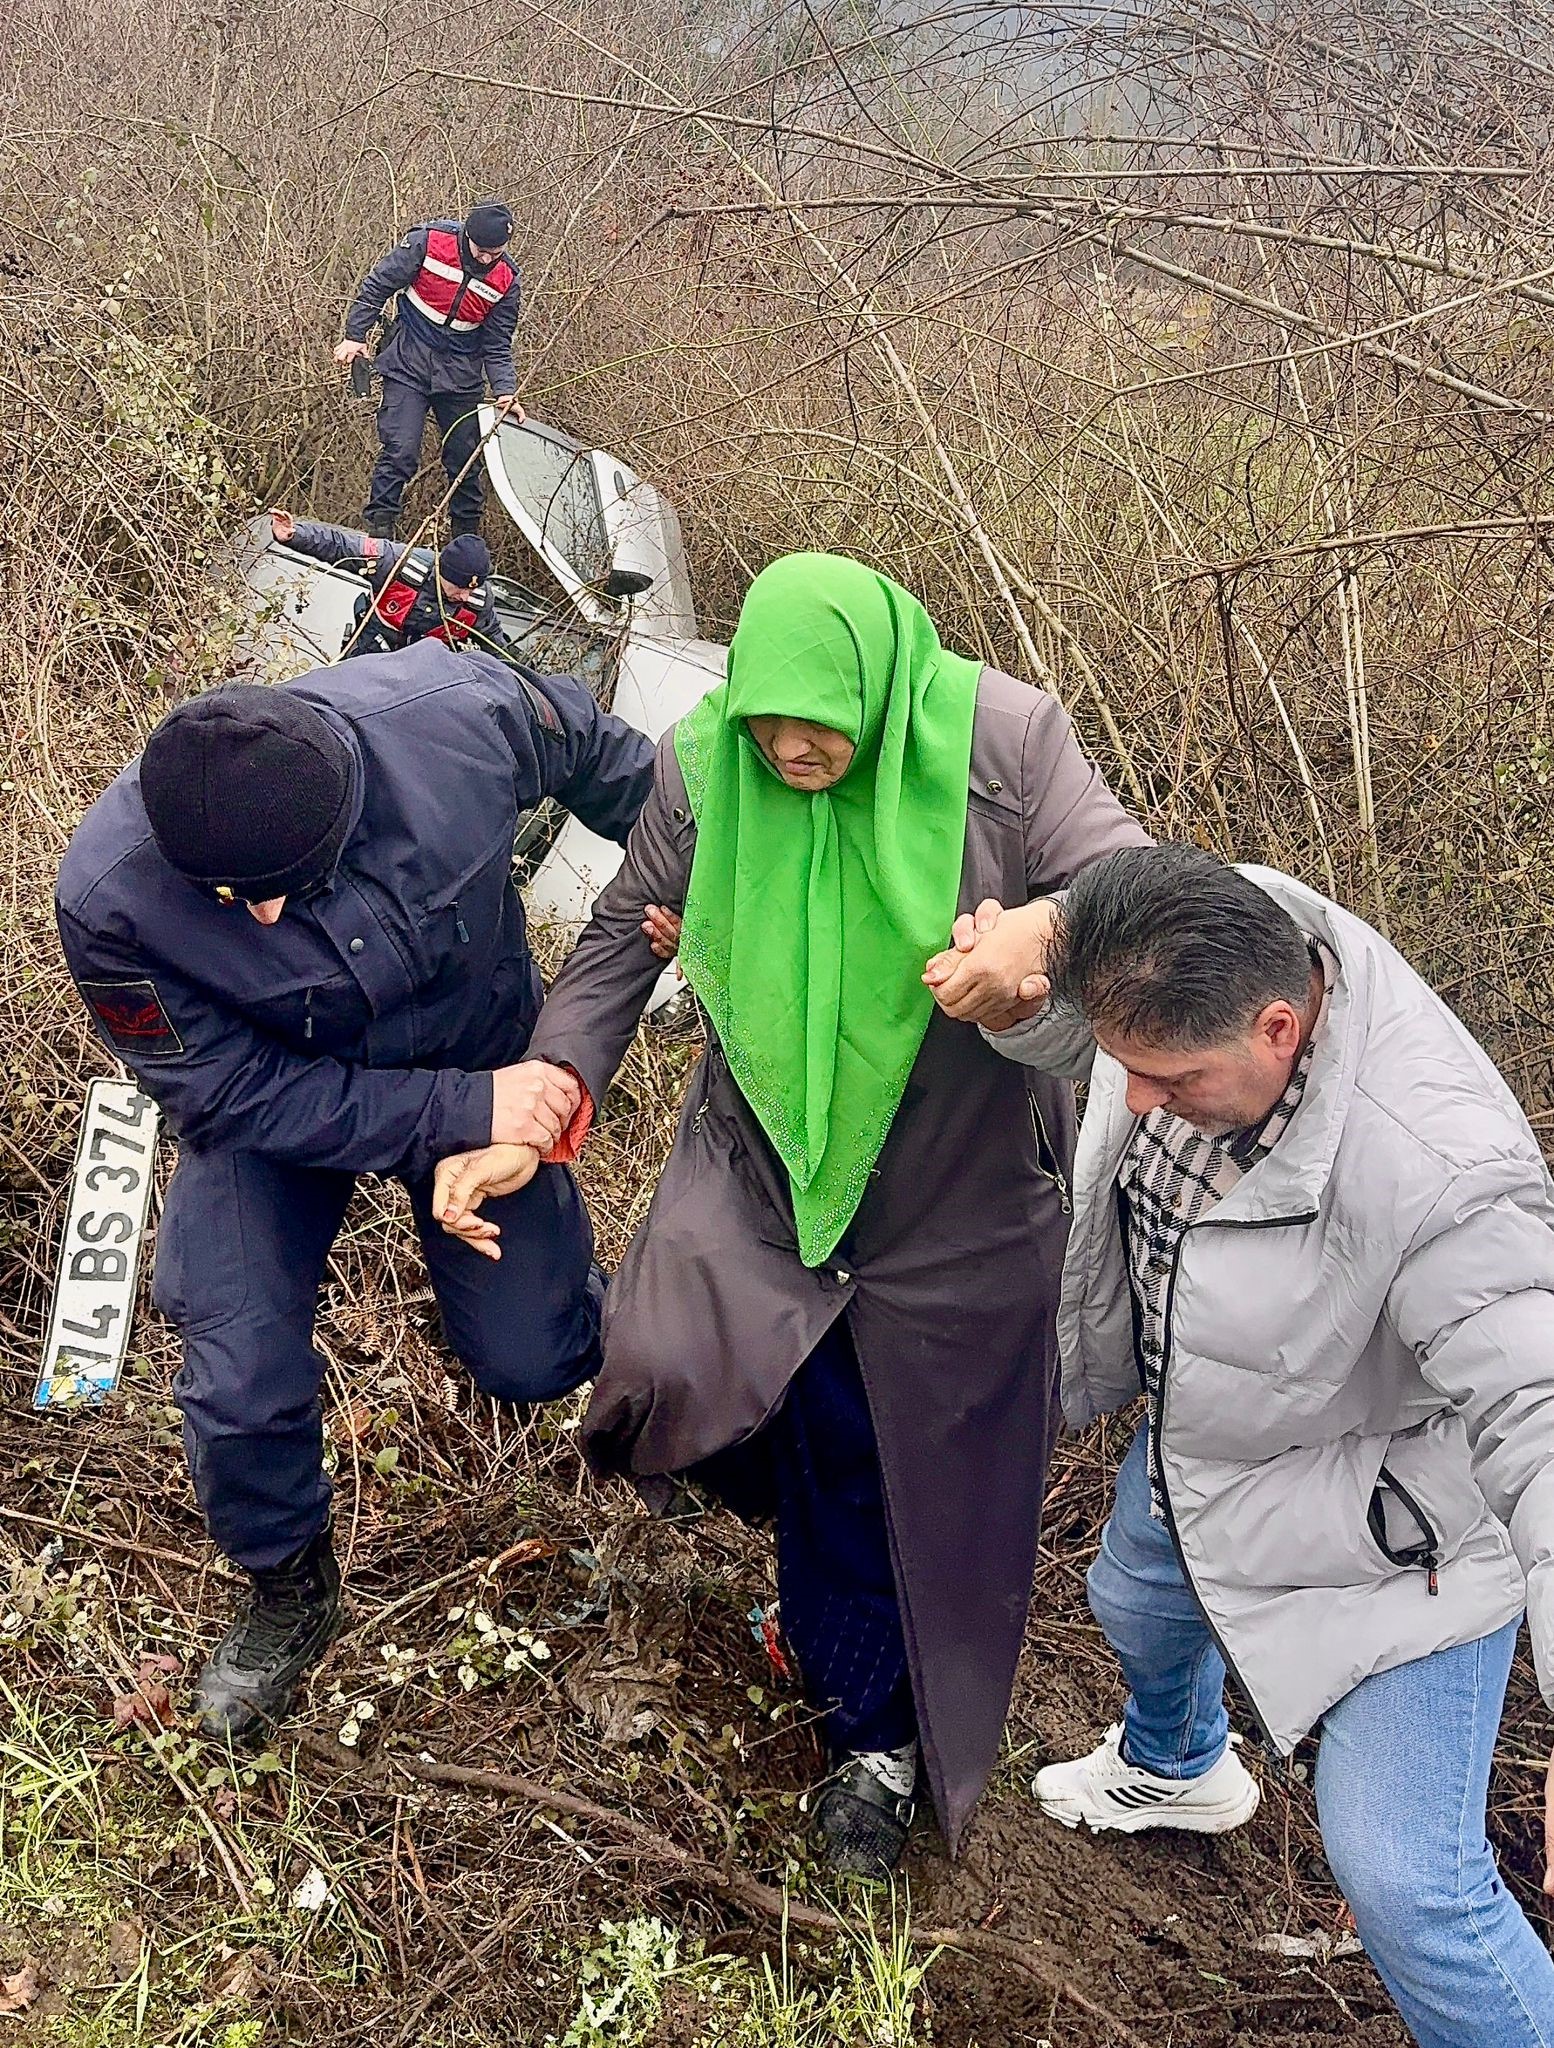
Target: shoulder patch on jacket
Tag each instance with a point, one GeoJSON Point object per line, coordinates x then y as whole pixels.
{"type": "Point", "coordinates": [131, 1013]}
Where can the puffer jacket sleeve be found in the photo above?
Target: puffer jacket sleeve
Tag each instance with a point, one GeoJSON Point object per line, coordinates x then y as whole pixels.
{"type": "Point", "coordinates": [1474, 1299]}
{"type": "Point", "coordinates": [1056, 1041]}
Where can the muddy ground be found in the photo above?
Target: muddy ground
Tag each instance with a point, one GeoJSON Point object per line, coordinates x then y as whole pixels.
{"type": "Point", "coordinates": [630, 1677]}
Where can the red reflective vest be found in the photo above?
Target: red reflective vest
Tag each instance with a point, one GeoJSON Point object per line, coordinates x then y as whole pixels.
{"type": "Point", "coordinates": [448, 295]}
{"type": "Point", "coordinates": [396, 600]}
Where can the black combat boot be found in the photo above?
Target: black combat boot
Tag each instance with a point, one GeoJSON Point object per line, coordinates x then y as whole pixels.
{"type": "Point", "coordinates": [379, 525]}
{"type": "Point", "coordinates": [861, 1821]}
{"type": "Point", "coordinates": [292, 1617]}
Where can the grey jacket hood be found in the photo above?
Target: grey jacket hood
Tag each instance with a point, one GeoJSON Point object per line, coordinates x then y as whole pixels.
{"type": "Point", "coordinates": [1356, 1423]}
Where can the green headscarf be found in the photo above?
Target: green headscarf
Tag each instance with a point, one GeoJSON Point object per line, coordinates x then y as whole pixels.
{"type": "Point", "coordinates": [808, 917]}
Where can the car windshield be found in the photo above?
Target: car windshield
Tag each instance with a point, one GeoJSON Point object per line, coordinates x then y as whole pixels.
{"type": "Point", "coordinates": [552, 479]}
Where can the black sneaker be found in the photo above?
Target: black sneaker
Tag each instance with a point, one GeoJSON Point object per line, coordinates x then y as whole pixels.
{"type": "Point", "coordinates": [292, 1617]}
{"type": "Point", "coordinates": [862, 1826]}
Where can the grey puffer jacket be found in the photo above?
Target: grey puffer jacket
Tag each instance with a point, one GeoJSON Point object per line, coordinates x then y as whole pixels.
{"type": "Point", "coordinates": [1356, 1420]}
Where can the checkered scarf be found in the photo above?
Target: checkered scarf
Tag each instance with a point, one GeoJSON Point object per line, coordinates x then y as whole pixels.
{"type": "Point", "coordinates": [1171, 1177]}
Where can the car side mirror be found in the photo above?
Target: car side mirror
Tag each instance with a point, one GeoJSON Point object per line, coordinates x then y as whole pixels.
{"type": "Point", "coordinates": [623, 582]}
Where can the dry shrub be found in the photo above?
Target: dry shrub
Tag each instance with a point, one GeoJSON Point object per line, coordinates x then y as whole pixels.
{"type": "Point", "coordinates": [1191, 363]}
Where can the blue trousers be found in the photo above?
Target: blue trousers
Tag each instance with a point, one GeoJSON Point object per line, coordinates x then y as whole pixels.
{"type": "Point", "coordinates": [1402, 1779]}
{"type": "Point", "coordinates": [814, 1470]}
{"type": "Point", "coordinates": [402, 412]}
{"type": "Point", "coordinates": [241, 1253]}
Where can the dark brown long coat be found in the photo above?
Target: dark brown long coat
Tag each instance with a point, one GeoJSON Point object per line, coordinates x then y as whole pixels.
{"type": "Point", "coordinates": [948, 1274]}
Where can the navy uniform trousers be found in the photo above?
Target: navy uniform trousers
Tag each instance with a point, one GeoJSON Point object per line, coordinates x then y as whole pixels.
{"type": "Point", "coordinates": [814, 1471]}
{"type": "Point", "coordinates": [243, 1245]}
{"type": "Point", "coordinates": [402, 412]}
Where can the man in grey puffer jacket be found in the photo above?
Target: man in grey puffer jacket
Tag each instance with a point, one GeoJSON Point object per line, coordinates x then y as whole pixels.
{"type": "Point", "coordinates": [1312, 1222]}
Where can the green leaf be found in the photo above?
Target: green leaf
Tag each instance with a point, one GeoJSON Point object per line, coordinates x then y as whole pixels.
{"type": "Point", "coordinates": [386, 1461]}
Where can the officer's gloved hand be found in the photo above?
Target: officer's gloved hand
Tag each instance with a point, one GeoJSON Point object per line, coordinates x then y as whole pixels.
{"type": "Point", "coordinates": [466, 1179]}
{"type": "Point", "coordinates": [532, 1104]}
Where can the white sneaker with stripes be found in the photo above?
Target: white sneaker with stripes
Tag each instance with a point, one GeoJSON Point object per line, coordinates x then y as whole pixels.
{"type": "Point", "coordinates": [1106, 1791]}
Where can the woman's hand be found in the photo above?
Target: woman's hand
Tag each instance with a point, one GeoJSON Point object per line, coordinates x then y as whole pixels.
{"type": "Point", "coordinates": [466, 1179]}
{"type": "Point", "coordinates": [661, 927]}
{"type": "Point", "coordinates": [993, 971]}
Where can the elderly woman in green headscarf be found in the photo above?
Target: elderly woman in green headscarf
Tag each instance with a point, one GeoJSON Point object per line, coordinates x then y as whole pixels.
{"type": "Point", "coordinates": [838, 1311]}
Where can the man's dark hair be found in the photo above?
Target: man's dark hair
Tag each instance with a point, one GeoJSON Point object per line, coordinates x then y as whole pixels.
{"type": "Point", "coordinates": [1168, 946]}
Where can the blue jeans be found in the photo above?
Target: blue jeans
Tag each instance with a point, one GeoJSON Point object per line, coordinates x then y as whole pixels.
{"type": "Point", "coordinates": [1402, 1776]}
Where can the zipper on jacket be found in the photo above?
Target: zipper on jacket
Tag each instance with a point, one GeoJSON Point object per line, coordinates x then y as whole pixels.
{"type": "Point", "coordinates": [1260, 1731]}
{"type": "Point", "coordinates": [1045, 1149]}
{"type": "Point", "coordinates": [459, 926]}
{"type": "Point", "coordinates": [1425, 1554]}
{"type": "Point", "coordinates": [307, 1015]}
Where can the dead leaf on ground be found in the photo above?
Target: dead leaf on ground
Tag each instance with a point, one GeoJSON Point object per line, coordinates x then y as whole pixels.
{"type": "Point", "coordinates": [1317, 1947]}
{"type": "Point", "coordinates": [19, 1990]}
{"type": "Point", "coordinates": [625, 1684]}
{"type": "Point", "coordinates": [150, 1704]}
{"type": "Point", "coordinates": [125, 1944]}
{"type": "Point", "coordinates": [350, 1424]}
{"type": "Point", "coordinates": [247, 1977]}
{"type": "Point", "coordinates": [531, 1548]}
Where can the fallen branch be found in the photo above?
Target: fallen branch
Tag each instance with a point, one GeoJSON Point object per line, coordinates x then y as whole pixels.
{"type": "Point", "coordinates": [757, 1900]}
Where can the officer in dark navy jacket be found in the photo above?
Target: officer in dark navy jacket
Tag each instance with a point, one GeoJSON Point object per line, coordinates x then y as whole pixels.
{"type": "Point", "coordinates": [458, 302]}
{"type": "Point", "coordinates": [294, 919]}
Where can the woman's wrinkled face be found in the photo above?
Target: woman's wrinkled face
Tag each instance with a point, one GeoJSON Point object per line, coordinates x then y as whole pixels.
{"type": "Point", "coordinates": [807, 756]}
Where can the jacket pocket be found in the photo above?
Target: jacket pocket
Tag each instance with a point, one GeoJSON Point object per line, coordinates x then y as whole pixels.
{"type": "Point", "coordinates": [327, 1014]}
{"type": "Point", "coordinates": [201, 1278]}
{"type": "Point", "coordinates": [1426, 1502]}
{"type": "Point", "coordinates": [1417, 1542]}
{"type": "Point", "coordinates": [1292, 1521]}
{"type": "Point", "coordinates": [467, 909]}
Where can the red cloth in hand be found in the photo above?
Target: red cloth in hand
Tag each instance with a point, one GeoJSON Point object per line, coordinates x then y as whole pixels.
{"type": "Point", "coordinates": [567, 1147]}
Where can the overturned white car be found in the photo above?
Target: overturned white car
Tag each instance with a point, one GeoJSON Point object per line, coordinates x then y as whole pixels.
{"type": "Point", "coordinates": [617, 611]}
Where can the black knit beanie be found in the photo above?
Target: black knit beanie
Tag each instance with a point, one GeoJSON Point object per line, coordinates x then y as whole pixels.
{"type": "Point", "coordinates": [248, 789]}
{"type": "Point", "coordinates": [465, 561]}
{"type": "Point", "coordinates": [488, 225]}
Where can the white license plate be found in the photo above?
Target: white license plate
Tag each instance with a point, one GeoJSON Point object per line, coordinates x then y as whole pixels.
{"type": "Point", "coordinates": [94, 1296]}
